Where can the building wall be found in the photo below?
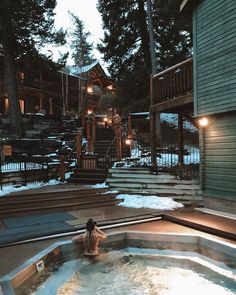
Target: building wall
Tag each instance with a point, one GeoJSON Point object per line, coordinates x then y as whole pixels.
{"type": "Point", "coordinates": [214, 33]}
{"type": "Point", "coordinates": [219, 157]}
{"type": "Point", "coordinates": [214, 30]}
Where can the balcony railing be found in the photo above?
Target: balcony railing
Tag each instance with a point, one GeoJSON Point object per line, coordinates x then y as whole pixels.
{"type": "Point", "coordinates": [55, 87]}
{"type": "Point", "coordinates": [173, 82]}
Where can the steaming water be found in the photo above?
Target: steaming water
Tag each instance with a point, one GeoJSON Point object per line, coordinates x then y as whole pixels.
{"type": "Point", "coordinates": [140, 271]}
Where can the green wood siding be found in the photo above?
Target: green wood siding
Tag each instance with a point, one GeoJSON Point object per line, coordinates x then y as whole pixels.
{"type": "Point", "coordinates": [214, 29]}
{"type": "Point", "coordinates": [219, 157]}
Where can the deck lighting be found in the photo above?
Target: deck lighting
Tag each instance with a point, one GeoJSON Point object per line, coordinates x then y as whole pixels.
{"type": "Point", "coordinates": [203, 122]}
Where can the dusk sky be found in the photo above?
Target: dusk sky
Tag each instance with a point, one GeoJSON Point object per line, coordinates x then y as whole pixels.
{"type": "Point", "coordinates": [87, 12]}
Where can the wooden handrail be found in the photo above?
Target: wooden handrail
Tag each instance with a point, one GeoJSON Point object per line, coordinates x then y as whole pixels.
{"type": "Point", "coordinates": [172, 82]}
{"type": "Point", "coordinates": [173, 68]}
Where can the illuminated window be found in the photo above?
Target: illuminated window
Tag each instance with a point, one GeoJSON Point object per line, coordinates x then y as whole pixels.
{"type": "Point", "coordinates": [21, 102]}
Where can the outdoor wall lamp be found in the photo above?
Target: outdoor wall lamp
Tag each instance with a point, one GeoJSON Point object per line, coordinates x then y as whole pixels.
{"type": "Point", "coordinates": [90, 89]}
{"type": "Point", "coordinates": [203, 122]}
{"type": "Point", "coordinates": [89, 112]}
{"type": "Point", "coordinates": [128, 141]}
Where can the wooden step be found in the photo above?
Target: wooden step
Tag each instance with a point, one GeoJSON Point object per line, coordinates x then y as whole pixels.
{"type": "Point", "coordinates": [62, 199]}
{"type": "Point", "coordinates": [24, 195]}
{"type": "Point", "coordinates": [69, 207]}
{"type": "Point", "coordinates": [150, 179]}
{"type": "Point", "coordinates": [159, 188]}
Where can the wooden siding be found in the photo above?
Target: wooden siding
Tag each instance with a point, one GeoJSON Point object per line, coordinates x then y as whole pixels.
{"type": "Point", "coordinates": [219, 157]}
{"type": "Point", "coordinates": [214, 28]}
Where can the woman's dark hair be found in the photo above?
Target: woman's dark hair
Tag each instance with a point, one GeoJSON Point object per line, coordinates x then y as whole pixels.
{"type": "Point", "coordinates": [90, 225]}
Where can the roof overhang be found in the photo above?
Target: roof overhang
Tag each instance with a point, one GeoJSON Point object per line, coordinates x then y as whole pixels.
{"type": "Point", "coordinates": [187, 6]}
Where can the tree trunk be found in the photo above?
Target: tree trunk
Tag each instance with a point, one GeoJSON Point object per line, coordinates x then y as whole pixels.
{"type": "Point", "coordinates": [10, 74]}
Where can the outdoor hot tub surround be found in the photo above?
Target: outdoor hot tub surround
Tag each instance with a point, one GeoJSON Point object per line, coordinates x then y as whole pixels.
{"type": "Point", "coordinates": [37, 269]}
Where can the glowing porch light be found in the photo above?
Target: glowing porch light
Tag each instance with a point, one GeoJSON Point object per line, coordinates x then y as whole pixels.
{"type": "Point", "coordinates": [90, 89]}
{"type": "Point", "coordinates": [128, 141]}
{"type": "Point", "coordinates": [203, 122]}
{"type": "Point", "coordinates": [105, 119]}
{"type": "Point", "coordinates": [110, 87]}
{"type": "Point", "coordinates": [89, 112]}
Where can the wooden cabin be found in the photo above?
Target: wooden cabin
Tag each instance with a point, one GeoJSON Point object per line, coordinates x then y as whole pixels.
{"type": "Point", "coordinates": [213, 96]}
{"type": "Point", "coordinates": [58, 92]}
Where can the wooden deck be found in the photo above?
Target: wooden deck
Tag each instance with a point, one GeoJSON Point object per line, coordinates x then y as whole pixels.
{"type": "Point", "coordinates": [172, 89]}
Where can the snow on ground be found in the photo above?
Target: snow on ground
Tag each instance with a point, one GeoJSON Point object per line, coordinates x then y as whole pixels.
{"type": "Point", "coordinates": [131, 201]}
{"type": "Point", "coordinates": [100, 185]}
{"type": "Point", "coordinates": [152, 202]}
{"type": "Point", "coordinates": [165, 160]}
{"type": "Point", "coordinates": [7, 189]}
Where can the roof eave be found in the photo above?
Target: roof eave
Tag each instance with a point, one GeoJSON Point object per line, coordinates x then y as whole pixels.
{"type": "Point", "coordinates": [187, 6]}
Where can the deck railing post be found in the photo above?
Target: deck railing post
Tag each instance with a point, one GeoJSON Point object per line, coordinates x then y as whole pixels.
{"type": "Point", "coordinates": [1, 171]}
{"type": "Point", "coordinates": [79, 146]}
{"type": "Point", "coordinates": [62, 168]}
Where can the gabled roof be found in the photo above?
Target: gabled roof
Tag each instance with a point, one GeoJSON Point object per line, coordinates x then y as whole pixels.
{"type": "Point", "coordinates": [75, 70]}
{"type": "Point", "coordinates": [93, 72]}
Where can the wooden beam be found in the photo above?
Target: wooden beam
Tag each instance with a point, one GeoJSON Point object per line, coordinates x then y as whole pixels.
{"type": "Point", "coordinates": [187, 6]}
{"type": "Point", "coordinates": [153, 140]}
{"type": "Point", "coordinates": [172, 104]}
{"type": "Point", "coordinates": [180, 143]}
{"type": "Point", "coordinates": [184, 4]}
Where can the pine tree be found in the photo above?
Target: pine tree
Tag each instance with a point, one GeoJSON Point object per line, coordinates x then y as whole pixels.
{"type": "Point", "coordinates": [172, 33]}
{"type": "Point", "coordinates": [82, 49]}
{"type": "Point", "coordinates": [125, 46]}
{"type": "Point", "coordinates": [126, 41]}
{"type": "Point", "coordinates": [25, 26]}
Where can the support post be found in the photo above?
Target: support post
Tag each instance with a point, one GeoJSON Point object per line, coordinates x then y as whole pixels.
{"type": "Point", "coordinates": [89, 136]}
{"type": "Point", "coordinates": [50, 106]}
{"type": "Point", "coordinates": [153, 141]}
{"type": "Point", "coordinates": [79, 146]}
{"type": "Point", "coordinates": [155, 122]}
{"type": "Point", "coordinates": [83, 119]}
{"type": "Point", "coordinates": [94, 129]}
{"type": "Point", "coordinates": [117, 123]}
{"type": "Point", "coordinates": [62, 168]}
{"type": "Point", "coordinates": [180, 145]}
{"type": "Point", "coordinates": [129, 127]}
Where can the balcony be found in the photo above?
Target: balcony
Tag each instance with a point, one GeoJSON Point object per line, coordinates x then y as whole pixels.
{"type": "Point", "coordinates": [172, 89]}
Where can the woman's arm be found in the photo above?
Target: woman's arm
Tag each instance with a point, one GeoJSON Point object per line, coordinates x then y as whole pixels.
{"type": "Point", "coordinates": [78, 238]}
{"type": "Point", "coordinates": [101, 234]}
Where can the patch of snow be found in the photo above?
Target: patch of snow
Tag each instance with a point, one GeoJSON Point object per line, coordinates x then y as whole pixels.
{"type": "Point", "coordinates": [10, 188]}
{"type": "Point", "coordinates": [111, 192]}
{"type": "Point", "coordinates": [152, 202]}
{"type": "Point", "coordinates": [100, 185]}
{"type": "Point", "coordinates": [170, 118]}
{"type": "Point", "coordinates": [68, 174]}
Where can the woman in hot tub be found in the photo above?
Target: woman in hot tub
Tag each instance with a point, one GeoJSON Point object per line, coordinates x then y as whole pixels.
{"type": "Point", "coordinates": [91, 238]}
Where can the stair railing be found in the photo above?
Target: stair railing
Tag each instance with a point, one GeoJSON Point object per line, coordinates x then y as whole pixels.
{"type": "Point", "coordinates": [107, 153]}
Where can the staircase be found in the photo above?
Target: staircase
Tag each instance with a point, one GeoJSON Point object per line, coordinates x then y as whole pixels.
{"type": "Point", "coordinates": [142, 181]}
{"type": "Point", "coordinates": [105, 154]}
{"type": "Point", "coordinates": [37, 203]}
